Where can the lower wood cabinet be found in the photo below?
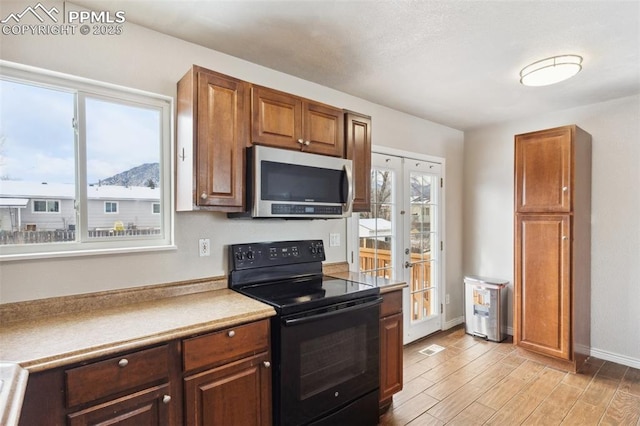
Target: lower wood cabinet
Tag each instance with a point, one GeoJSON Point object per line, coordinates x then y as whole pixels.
{"type": "Point", "coordinates": [228, 376]}
{"type": "Point", "coordinates": [219, 378]}
{"type": "Point", "coordinates": [128, 389]}
{"type": "Point", "coordinates": [238, 393]}
{"type": "Point", "coordinates": [390, 347]}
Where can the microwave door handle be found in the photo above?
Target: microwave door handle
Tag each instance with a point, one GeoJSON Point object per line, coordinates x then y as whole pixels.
{"type": "Point", "coordinates": [347, 170]}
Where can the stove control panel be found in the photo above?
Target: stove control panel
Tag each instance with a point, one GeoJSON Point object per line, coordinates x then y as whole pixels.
{"type": "Point", "coordinates": [255, 255]}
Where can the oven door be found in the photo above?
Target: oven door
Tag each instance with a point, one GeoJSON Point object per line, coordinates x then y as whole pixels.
{"type": "Point", "coordinates": [327, 360]}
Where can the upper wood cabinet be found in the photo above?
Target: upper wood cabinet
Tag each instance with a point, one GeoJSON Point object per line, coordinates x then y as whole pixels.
{"type": "Point", "coordinates": [543, 171]}
{"type": "Point", "coordinates": [212, 132]}
{"type": "Point", "coordinates": [286, 121]}
{"type": "Point", "coordinates": [358, 149]}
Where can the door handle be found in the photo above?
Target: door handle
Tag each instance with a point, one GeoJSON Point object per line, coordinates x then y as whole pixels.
{"type": "Point", "coordinates": [408, 264]}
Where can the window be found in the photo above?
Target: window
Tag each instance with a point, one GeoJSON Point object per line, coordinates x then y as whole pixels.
{"type": "Point", "coordinates": [68, 144]}
{"type": "Point", "coordinates": [46, 206]}
{"type": "Point", "coordinates": [110, 207]}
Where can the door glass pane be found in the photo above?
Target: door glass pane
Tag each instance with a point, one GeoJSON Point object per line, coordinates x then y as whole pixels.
{"type": "Point", "coordinates": [123, 169]}
{"type": "Point", "coordinates": [422, 253]}
{"type": "Point", "coordinates": [375, 228]}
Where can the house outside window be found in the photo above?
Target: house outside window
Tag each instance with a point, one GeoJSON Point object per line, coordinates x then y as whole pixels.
{"type": "Point", "coordinates": [67, 145]}
{"type": "Point", "coordinates": [46, 206]}
{"type": "Point", "coordinates": [110, 207]}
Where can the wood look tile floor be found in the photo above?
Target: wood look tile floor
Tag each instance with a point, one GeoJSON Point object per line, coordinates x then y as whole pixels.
{"type": "Point", "coordinates": [475, 382]}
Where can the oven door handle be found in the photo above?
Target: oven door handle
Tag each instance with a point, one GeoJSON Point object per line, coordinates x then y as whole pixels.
{"type": "Point", "coordinates": [303, 320]}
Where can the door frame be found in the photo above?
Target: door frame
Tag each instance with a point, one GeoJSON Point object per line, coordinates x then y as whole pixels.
{"type": "Point", "coordinates": [352, 245]}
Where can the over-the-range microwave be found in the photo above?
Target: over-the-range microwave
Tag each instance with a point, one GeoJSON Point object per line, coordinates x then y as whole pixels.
{"type": "Point", "coordinates": [291, 184]}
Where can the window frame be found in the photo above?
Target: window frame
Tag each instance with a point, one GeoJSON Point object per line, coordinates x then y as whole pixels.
{"type": "Point", "coordinates": [46, 210]}
{"type": "Point", "coordinates": [84, 88]}
{"type": "Point", "coordinates": [113, 203]}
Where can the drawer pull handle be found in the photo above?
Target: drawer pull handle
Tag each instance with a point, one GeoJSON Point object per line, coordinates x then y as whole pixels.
{"type": "Point", "coordinates": [123, 362]}
{"type": "Point", "coordinates": [266, 364]}
{"type": "Point", "coordinates": [166, 399]}
{"type": "Point", "coordinates": [231, 333]}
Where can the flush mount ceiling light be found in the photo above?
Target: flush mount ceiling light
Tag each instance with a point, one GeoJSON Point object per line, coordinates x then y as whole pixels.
{"type": "Point", "coordinates": [551, 70]}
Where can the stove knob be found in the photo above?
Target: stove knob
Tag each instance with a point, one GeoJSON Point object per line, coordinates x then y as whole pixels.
{"type": "Point", "coordinates": [313, 250]}
{"type": "Point", "coordinates": [239, 255]}
{"type": "Point", "coordinates": [250, 255]}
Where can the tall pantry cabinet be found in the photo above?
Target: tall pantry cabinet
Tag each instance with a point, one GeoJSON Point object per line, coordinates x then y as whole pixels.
{"type": "Point", "coordinates": [552, 295]}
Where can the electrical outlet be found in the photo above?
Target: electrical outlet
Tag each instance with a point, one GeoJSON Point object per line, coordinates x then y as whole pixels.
{"type": "Point", "coordinates": [205, 247]}
{"type": "Point", "coordinates": [334, 240]}
{"type": "Point", "coordinates": [446, 299]}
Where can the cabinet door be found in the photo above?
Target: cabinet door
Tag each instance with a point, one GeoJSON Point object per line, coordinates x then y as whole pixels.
{"type": "Point", "coordinates": [148, 407]}
{"type": "Point", "coordinates": [238, 393]}
{"type": "Point", "coordinates": [222, 134]}
{"type": "Point", "coordinates": [544, 171]}
{"type": "Point", "coordinates": [276, 118]}
{"type": "Point", "coordinates": [323, 130]}
{"type": "Point", "coordinates": [390, 356]}
{"type": "Point", "coordinates": [542, 317]}
{"type": "Point", "coordinates": [358, 142]}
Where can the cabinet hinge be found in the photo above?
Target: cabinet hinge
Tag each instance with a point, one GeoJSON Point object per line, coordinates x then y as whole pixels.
{"type": "Point", "coordinates": [351, 257]}
{"type": "Point", "coordinates": [441, 182]}
{"type": "Point", "coordinates": [441, 246]}
{"type": "Point", "coordinates": [441, 308]}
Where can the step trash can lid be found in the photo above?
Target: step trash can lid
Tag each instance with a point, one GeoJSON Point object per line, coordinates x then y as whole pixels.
{"type": "Point", "coordinates": [477, 280]}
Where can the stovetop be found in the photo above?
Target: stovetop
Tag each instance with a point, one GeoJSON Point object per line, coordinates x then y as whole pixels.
{"type": "Point", "coordinates": [307, 293]}
{"type": "Point", "coordinates": [288, 276]}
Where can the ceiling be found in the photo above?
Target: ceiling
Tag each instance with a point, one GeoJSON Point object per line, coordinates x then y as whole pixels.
{"type": "Point", "coordinates": [454, 62]}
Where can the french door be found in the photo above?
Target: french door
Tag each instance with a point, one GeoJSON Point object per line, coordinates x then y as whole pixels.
{"type": "Point", "coordinates": [400, 237]}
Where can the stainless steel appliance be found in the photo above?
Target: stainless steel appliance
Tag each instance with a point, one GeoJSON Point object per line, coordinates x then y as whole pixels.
{"type": "Point", "coordinates": [325, 337]}
{"type": "Point", "coordinates": [486, 307]}
{"type": "Point", "coordinates": [292, 184]}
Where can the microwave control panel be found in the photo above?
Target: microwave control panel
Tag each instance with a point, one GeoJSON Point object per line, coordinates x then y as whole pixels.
{"type": "Point", "coordinates": [256, 255]}
{"type": "Point", "coordinates": [304, 209]}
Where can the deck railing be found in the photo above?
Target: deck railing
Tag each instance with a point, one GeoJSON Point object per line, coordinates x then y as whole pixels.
{"type": "Point", "coordinates": [378, 262]}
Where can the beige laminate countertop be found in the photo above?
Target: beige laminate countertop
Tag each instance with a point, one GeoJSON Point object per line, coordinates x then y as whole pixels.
{"type": "Point", "coordinates": [49, 342]}
{"type": "Point", "coordinates": [386, 285]}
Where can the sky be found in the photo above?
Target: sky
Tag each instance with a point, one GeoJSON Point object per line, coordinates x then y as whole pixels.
{"type": "Point", "coordinates": [37, 137]}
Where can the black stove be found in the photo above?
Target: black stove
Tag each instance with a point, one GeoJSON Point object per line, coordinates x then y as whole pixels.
{"type": "Point", "coordinates": [325, 341]}
{"type": "Point", "coordinates": [288, 276]}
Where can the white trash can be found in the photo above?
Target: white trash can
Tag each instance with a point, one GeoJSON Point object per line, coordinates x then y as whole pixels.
{"type": "Point", "coordinates": [485, 307]}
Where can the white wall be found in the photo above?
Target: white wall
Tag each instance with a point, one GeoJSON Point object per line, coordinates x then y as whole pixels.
{"type": "Point", "coordinates": [615, 239]}
{"type": "Point", "coordinates": [151, 61]}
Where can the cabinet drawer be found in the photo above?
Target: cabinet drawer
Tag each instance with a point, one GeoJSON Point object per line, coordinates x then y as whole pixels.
{"type": "Point", "coordinates": [225, 345]}
{"type": "Point", "coordinates": [391, 303]}
{"type": "Point", "coordinates": [117, 374]}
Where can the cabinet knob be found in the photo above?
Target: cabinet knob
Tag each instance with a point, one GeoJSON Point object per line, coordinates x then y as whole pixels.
{"type": "Point", "coordinates": [301, 141]}
{"type": "Point", "coordinates": [203, 195]}
{"type": "Point", "coordinates": [564, 237]}
{"type": "Point", "coordinates": [266, 364]}
{"type": "Point", "coordinates": [307, 143]}
{"type": "Point", "coordinates": [231, 333]}
{"type": "Point", "coordinates": [166, 399]}
{"type": "Point", "coordinates": [123, 362]}
{"type": "Point", "coordinates": [565, 188]}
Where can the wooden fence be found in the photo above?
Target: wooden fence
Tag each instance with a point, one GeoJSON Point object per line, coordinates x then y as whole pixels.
{"type": "Point", "coordinates": [62, 235]}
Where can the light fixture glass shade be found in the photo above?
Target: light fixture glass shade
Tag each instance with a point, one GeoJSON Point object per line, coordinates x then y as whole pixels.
{"type": "Point", "coordinates": [551, 70]}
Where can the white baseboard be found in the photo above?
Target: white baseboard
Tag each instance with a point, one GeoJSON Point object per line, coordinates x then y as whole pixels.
{"type": "Point", "coordinates": [605, 355]}
{"type": "Point", "coordinates": [617, 358]}
{"type": "Point", "coordinates": [452, 323]}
